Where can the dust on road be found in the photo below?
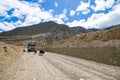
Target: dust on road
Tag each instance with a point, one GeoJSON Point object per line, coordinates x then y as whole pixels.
{"type": "Point", "coordinates": [58, 67]}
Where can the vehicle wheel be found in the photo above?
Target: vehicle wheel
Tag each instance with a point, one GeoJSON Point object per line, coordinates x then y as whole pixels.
{"type": "Point", "coordinates": [35, 51]}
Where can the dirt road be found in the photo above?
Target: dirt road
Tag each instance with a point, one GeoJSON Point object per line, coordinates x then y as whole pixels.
{"type": "Point", "coordinates": [58, 67]}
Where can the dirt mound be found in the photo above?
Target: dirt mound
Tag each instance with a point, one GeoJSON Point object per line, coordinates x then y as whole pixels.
{"type": "Point", "coordinates": [8, 53]}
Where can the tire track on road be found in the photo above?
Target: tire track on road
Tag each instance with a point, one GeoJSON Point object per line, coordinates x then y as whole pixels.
{"type": "Point", "coordinates": [83, 68]}
{"type": "Point", "coordinates": [98, 67]}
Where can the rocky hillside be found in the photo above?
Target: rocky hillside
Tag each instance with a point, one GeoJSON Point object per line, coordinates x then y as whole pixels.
{"type": "Point", "coordinates": [103, 38]}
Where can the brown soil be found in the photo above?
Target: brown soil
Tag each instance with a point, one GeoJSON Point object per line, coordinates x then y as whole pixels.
{"type": "Point", "coordinates": [8, 54]}
{"type": "Point", "coordinates": [106, 55]}
{"type": "Point", "coordinates": [53, 66]}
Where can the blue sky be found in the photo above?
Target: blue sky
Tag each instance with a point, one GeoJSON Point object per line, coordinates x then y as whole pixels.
{"type": "Point", "coordinates": [85, 13]}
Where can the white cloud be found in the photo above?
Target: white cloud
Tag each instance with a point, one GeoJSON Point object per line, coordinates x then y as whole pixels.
{"type": "Point", "coordinates": [20, 7]}
{"type": "Point", "coordinates": [51, 10]}
{"type": "Point", "coordinates": [77, 23]}
{"type": "Point", "coordinates": [100, 20]}
{"type": "Point", "coordinates": [65, 11]}
{"type": "Point", "coordinates": [106, 20]}
{"type": "Point", "coordinates": [34, 14]}
{"type": "Point", "coordinates": [18, 23]}
{"type": "Point", "coordinates": [40, 1]}
{"type": "Point", "coordinates": [6, 26]}
{"type": "Point", "coordinates": [62, 15]}
{"type": "Point", "coordinates": [84, 7]}
{"type": "Point", "coordinates": [32, 11]}
{"type": "Point", "coordinates": [45, 15]}
{"type": "Point", "coordinates": [59, 18]}
{"type": "Point", "coordinates": [31, 20]}
{"type": "Point", "coordinates": [56, 4]}
{"type": "Point", "coordinates": [103, 4]}
{"type": "Point", "coordinates": [3, 7]}
{"type": "Point", "coordinates": [109, 3]}
{"type": "Point", "coordinates": [17, 13]}
{"type": "Point", "coordinates": [86, 11]}
{"type": "Point", "coordinates": [72, 13]}
{"type": "Point", "coordinates": [1, 31]}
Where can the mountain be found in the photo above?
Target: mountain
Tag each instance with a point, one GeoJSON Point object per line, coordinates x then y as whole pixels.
{"type": "Point", "coordinates": [111, 27]}
{"type": "Point", "coordinates": [45, 27]}
{"type": "Point", "coordinates": [93, 29]}
{"type": "Point", "coordinates": [49, 31]}
{"type": "Point", "coordinates": [49, 27]}
{"type": "Point", "coordinates": [80, 29]}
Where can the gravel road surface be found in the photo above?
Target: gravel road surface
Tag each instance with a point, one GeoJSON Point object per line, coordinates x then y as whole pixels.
{"type": "Point", "coordinates": [53, 66]}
